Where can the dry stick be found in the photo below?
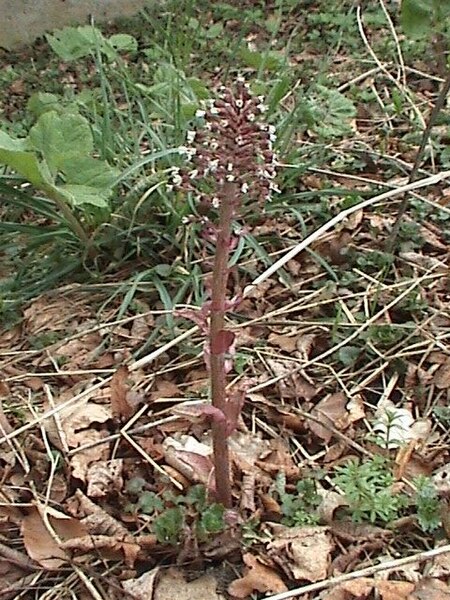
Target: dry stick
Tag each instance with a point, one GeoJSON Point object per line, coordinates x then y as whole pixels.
{"type": "Point", "coordinates": [268, 273]}
{"type": "Point", "coordinates": [341, 217]}
{"type": "Point", "coordinates": [391, 565]}
{"type": "Point", "coordinates": [425, 137]}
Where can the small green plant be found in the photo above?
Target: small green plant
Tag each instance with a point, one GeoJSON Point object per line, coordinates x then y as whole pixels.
{"type": "Point", "coordinates": [172, 514]}
{"type": "Point", "coordinates": [427, 504]}
{"type": "Point", "coordinates": [299, 508]}
{"type": "Point", "coordinates": [367, 486]}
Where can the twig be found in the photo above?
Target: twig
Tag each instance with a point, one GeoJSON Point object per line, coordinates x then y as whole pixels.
{"type": "Point", "coordinates": [18, 558]}
{"type": "Point", "coordinates": [388, 565]}
{"type": "Point", "coordinates": [337, 219]}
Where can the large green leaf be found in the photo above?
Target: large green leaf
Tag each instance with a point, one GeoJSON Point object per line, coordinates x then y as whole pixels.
{"type": "Point", "coordinates": [61, 137]}
{"type": "Point", "coordinates": [332, 112]}
{"type": "Point", "coordinates": [85, 170]}
{"type": "Point", "coordinates": [76, 195]}
{"type": "Point", "coordinates": [13, 153]}
{"type": "Point", "coordinates": [72, 43]}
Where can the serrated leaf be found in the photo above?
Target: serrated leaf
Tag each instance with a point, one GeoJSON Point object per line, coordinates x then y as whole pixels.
{"type": "Point", "coordinates": [14, 154]}
{"type": "Point", "coordinates": [61, 137]}
{"type": "Point", "coordinates": [149, 502]}
{"type": "Point", "coordinates": [332, 112]}
{"type": "Point", "coordinates": [212, 518]}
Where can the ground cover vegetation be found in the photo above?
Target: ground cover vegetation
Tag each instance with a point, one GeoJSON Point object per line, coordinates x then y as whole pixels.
{"type": "Point", "coordinates": [276, 173]}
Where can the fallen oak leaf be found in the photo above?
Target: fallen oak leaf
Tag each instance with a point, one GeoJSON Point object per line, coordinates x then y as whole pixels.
{"type": "Point", "coordinates": [44, 532]}
{"type": "Point", "coordinates": [257, 577]}
{"type": "Point", "coordinates": [302, 552]}
{"type": "Point", "coordinates": [120, 407]}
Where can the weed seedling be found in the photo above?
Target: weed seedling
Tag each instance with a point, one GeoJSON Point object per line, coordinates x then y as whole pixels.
{"type": "Point", "coordinates": [427, 504]}
{"type": "Point", "coordinates": [367, 487]}
{"type": "Point", "coordinates": [300, 508]}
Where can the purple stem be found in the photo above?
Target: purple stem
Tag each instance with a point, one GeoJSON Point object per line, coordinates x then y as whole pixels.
{"type": "Point", "coordinates": [217, 324]}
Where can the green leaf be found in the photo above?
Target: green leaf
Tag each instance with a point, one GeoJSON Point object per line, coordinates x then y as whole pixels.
{"type": "Point", "coordinates": [348, 355]}
{"type": "Point", "coordinates": [416, 17]}
{"type": "Point", "coordinates": [135, 485]}
{"type": "Point", "coordinates": [42, 102]}
{"type": "Point", "coordinates": [163, 270]}
{"type": "Point", "coordinates": [168, 527]}
{"type": "Point", "coordinates": [214, 31]}
{"type": "Point", "coordinates": [212, 520]}
{"type": "Point", "coordinates": [332, 112]}
{"type": "Point", "coordinates": [61, 137]}
{"type": "Point", "coordinates": [77, 195]}
{"type": "Point", "coordinates": [257, 60]}
{"type": "Point", "coordinates": [149, 502]}
{"type": "Point", "coordinates": [14, 154]}
{"type": "Point", "coordinates": [88, 171]}
{"type": "Point", "coordinates": [72, 43]}
{"type": "Point", "coordinates": [123, 42]}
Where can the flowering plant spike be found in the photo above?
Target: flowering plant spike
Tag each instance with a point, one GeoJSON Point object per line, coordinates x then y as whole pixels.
{"type": "Point", "coordinates": [230, 166]}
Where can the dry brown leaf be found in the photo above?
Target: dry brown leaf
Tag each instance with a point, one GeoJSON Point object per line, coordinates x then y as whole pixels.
{"type": "Point", "coordinates": [9, 337]}
{"type": "Point", "coordinates": [305, 344]}
{"type": "Point", "coordinates": [430, 589]}
{"type": "Point", "coordinates": [287, 343]}
{"type": "Point", "coordinates": [279, 458]}
{"type": "Point", "coordinates": [120, 407]}
{"type": "Point", "coordinates": [165, 389]}
{"type": "Point", "coordinates": [302, 552]}
{"type": "Point", "coordinates": [441, 480]}
{"type": "Point", "coordinates": [359, 589]}
{"type": "Point", "coordinates": [441, 378]}
{"type": "Point", "coordinates": [330, 502]}
{"type": "Point", "coordinates": [78, 353]}
{"type": "Point", "coordinates": [433, 238]}
{"type": "Point", "coordinates": [141, 327]}
{"type": "Point", "coordinates": [394, 590]}
{"type": "Point", "coordinates": [98, 523]}
{"type": "Point", "coordinates": [108, 547]}
{"type": "Point", "coordinates": [190, 457]}
{"type": "Point", "coordinates": [440, 566]}
{"type": "Point", "coordinates": [74, 421]}
{"type": "Point", "coordinates": [172, 585]}
{"type": "Point", "coordinates": [332, 410]}
{"type": "Point", "coordinates": [79, 462]}
{"type": "Point", "coordinates": [42, 544]}
{"type": "Point", "coordinates": [104, 477]}
{"type": "Point", "coordinates": [5, 426]}
{"type": "Point", "coordinates": [247, 495]}
{"type": "Point", "coordinates": [77, 425]}
{"type": "Point", "coordinates": [143, 587]}
{"type": "Point", "coordinates": [248, 448]}
{"type": "Point", "coordinates": [291, 384]}
{"type": "Point", "coordinates": [257, 577]}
